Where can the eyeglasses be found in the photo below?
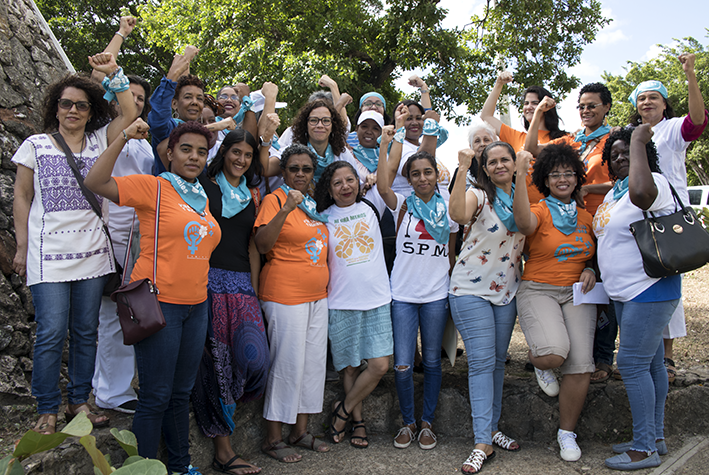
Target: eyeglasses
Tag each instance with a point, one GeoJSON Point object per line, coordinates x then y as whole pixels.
{"type": "Point", "coordinates": [224, 97]}
{"type": "Point", "coordinates": [590, 107]}
{"type": "Point", "coordinates": [294, 169]}
{"type": "Point", "coordinates": [557, 175]}
{"type": "Point", "coordinates": [81, 106]}
{"type": "Point", "coordinates": [315, 120]}
{"type": "Point", "coordinates": [370, 104]}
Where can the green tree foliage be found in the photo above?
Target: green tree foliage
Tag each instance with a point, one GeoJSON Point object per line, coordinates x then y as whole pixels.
{"type": "Point", "coordinates": [667, 69]}
{"type": "Point", "coordinates": [364, 45]}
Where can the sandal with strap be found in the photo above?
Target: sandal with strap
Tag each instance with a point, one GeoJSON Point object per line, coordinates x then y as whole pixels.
{"type": "Point", "coordinates": [671, 370]}
{"type": "Point", "coordinates": [280, 450]}
{"type": "Point", "coordinates": [365, 441]}
{"type": "Point", "coordinates": [309, 441]}
{"type": "Point", "coordinates": [502, 441]}
{"type": "Point", "coordinates": [232, 465]}
{"type": "Point", "coordinates": [333, 419]}
{"type": "Point", "coordinates": [601, 368]}
{"type": "Point", "coordinates": [46, 425]}
{"type": "Point", "coordinates": [73, 410]}
{"type": "Point", "coordinates": [476, 460]}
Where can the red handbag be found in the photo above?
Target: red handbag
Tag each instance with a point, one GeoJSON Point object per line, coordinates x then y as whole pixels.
{"type": "Point", "coordinates": [139, 311]}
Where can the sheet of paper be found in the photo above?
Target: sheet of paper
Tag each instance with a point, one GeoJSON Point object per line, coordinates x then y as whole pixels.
{"type": "Point", "coordinates": [597, 295]}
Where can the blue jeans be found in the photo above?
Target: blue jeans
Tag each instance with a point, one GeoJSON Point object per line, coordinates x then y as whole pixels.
{"type": "Point", "coordinates": [167, 368]}
{"type": "Point", "coordinates": [406, 318]}
{"type": "Point", "coordinates": [604, 340]}
{"type": "Point", "coordinates": [60, 306]}
{"type": "Point", "coordinates": [640, 356]}
{"type": "Point", "coordinates": [486, 330]}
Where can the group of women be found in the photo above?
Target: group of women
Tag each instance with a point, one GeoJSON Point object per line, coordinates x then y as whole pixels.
{"type": "Point", "coordinates": [267, 249]}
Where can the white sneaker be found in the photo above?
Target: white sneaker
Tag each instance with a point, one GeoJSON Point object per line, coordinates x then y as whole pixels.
{"type": "Point", "coordinates": [569, 449]}
{"type": "Point", "coordinates": [547, 381]}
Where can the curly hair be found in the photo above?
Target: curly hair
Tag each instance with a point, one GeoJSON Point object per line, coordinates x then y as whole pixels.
{"type": "Point", "coordinates": [600, 89]}
{"type": "Point", "coordinates": [146, 90]}
{"type": "Point", "coordinates": [483, 182]}
{"type": "Point", "coordinates": [297, 149]}
{"type": "Point", "coordinates": [553, 156]}
{"type": "Point", "coordinates": [337, 133]}
{"type": "Point", "coordinates": [322, 189]}
{"type": "Point", "coordinates": [551, 117]}
{"type": "Point", "coordinates": [189, 127]}
{"type": "Point", "coordinates": [625, 134]}
{"type": "Point", "coordinates": [254, 172]}
{"type": "Point", "coordinates": [101, 111]}
{"type": "Point", "coordinates": [189, 80]}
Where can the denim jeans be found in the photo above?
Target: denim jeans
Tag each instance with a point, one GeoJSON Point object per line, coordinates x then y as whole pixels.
{"type": "Point", "coordinates": [406, 319]}
{"type": "Point", "coordinates": [604, 340]}
{"type": "Point", "coordinates": [486, 330]}
{"type": "Point", "coordinates": [640, 361]}
{"type": "Point", "coordinates": [167, 368]}
{"type": "Point", "coordinates": [62, 306]}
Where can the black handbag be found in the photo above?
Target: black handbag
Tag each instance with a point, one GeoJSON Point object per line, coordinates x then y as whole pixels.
{"type": "Point", "coordinates": [139, 311]}
{"type": "Point", "coordinates": [114, 278]}
{"type": "Point", "coordinates": [671, 244]}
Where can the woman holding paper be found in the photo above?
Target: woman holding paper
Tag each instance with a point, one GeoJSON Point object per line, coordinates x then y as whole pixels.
{"type": "Point", "coordinates": [561, 247]}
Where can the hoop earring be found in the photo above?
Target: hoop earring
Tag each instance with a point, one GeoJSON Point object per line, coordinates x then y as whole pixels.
{"type": "Point", "coordinates": [175, 115]}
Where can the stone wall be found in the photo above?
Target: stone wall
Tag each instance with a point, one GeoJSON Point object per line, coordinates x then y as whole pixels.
{"type": "Point", "coordinates": [28, 63]}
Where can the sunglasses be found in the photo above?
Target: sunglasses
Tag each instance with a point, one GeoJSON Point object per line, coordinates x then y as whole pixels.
{"type": "Point", "coordinates": [294, 169]}
{"type": "Point", "coordinates": [314, 121]}
{"type": "Point", "coordinates": [590, 107]}
{"type": "Point", "coordinates": [81, 106]}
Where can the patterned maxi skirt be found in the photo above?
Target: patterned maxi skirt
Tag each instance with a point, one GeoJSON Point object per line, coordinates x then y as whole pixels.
{"type": "Point", "coordinates": [235, 361]}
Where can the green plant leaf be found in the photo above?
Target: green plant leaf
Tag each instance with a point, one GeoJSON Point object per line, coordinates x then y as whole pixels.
{"type": "Point", "coordinates": [97, 471]}
{"type": "Point", "coordinates": [127, 440]}
{"type": "Point", "coordinates": [15, 468]}
{"type": "Point", "coordinates": [79, 426]}
{"type": "Point", "coordinates": [143, 467]}
{"type": "Point", "coordinates": [5, 463]}
{"type": "Point", "coordinates": [33, 442]}
{"type": "Point", "coordinates": [97, 457]}
{"type": "Point", "coordinates": [132, 459]}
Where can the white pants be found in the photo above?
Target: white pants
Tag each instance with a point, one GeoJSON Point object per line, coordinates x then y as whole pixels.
{"type": "Point", "coordinates": [297, 338]}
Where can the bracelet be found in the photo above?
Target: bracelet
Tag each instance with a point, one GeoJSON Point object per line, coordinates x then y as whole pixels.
{"type": "Point", "coordinates": [265, 143]}
{"type": "Point", "coordinates": [119, 34]}
{"type": "Point", "coordinates": [424, 91]}
{"type": "Point", "coordinates": [125, 136]}
{"type": "Point", "coordinates": [427, 109]}
{"type": "Point", "coordinates": [591, 269]}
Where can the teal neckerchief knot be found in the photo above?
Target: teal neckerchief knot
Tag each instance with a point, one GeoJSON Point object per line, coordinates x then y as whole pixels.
{"type": "Point", "coordinates": [191, 193]}
{"type": "Point", "coordinates": [620, 188]}
{"type": "Point", "coordinates": [234, 198]}
{"type": "Point", "coordinates": [322, 161]}
{"type": "Point", "coordinates": [369, 157]}
{"type": "Point", "coordinates": [564, 216]}
{"type": "Point", "coordinates": [434, 215]}
{"type": "Point", "coordinates": [503, 208]}
{"type": "Point", "coordinates": [584, 139]}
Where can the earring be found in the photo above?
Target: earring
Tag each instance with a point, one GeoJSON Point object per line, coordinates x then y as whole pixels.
{"type": "Point", "coordinates": [175, 115]}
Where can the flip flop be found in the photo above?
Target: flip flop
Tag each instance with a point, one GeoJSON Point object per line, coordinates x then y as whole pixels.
{"type": "Point", "coordinates": [230, 465]}
{"type": "Point", "coordinates": [279, 451]}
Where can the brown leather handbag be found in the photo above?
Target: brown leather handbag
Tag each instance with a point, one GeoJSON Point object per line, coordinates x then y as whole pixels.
{"type": "Point", "coordinates": [139, 311]}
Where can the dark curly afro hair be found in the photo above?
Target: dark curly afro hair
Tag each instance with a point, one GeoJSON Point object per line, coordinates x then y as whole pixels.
{"type": "Point", "coordinates": [625, 134]}
{"type": "Point", "coordinates": [553, 156]}
{"type": "Point", "coordinates": [337, 133]}
{"type": "Point", "coordinates": [101, 111]}
{"type": "Point", "coordinates": [322, 189]}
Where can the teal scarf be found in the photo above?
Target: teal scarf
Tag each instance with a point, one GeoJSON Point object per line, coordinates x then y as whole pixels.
{"type": "Point", "coordinates": [503, 208]}
{"type": "Point", "coordinates": [234, 198]}
{"type": "Point", "coordinates": [584, 139]}
{"type": "Point", "coordinates": [191, 193]}
{"type": "Point", "coordinates": [308, 205]}
{"type": "Point", "coordinates": [564, 216]}
{"type": "Point", "coordinates": [434, 215]}
{"type": "Point", "coordinates": [369, 157]}
{"type": "Point", "coordinates": [322, 161]}
{"type": "Point", "coordinates": [620, 188]}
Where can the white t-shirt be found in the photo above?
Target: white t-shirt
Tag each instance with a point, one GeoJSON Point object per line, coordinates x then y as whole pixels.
{"type": "Point", "coordinates": [618, 255]}
{"type": "Point", "coordinates": [65, 241]}
{"type": "Point", "coordinates": [672, 150]}
{"type": "Point", "coordinates": [358, 273]}
{"type": "Point", "coordinates": [401, 184]}
{"type": "Point", "coordinates": [420, 273]}
{"type": "Point", "coordinates": [488, 265]}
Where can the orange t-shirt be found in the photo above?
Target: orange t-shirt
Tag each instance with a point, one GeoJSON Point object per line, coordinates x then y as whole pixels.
{"type": "Point", "coordinates": [554, 257]}
{"type": "Point", "coordinates": [296, 269]}
{"type": "Point", "coordinates": [516, 138]}
{"type": "Point", "coordinates": [596, 173]}
{"type": "Point", "coordinates": [185, 239]}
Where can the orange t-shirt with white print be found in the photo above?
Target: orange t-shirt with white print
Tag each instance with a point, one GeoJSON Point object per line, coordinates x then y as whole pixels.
{"type": "Point", "coordinates": [554, 257]}
{"type": "Point", "coordinates": [296, 269]}
{"type": "Point", "coordinates": [186, 239]}
{"type": "Point", "coordinates": [596, 173]}
{"type": "Point", "coordinates": [516, 138]}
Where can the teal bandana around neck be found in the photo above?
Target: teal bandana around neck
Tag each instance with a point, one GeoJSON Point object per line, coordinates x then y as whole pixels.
{"type": "Point", "coordinates": [584, 139]}
{"type": "Point", "coordinates": [191, 193]}
{"type": "Point", "coordinates": [369, 157]}
{"type": "Point", "coordinates": [620, 188]}
{"type": "Point", "coordinates": [308, 205]}
{"type": "Point", "coordinates": [564, 216]}
{"type": "Point", "coordinates": [434, 215]}
{"type": "Point", "coordinates": [322, 161]}
{"type": "Point", "coordinates": [503, 208]}
{"type": "Point", "coordinates": [234, 198]}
